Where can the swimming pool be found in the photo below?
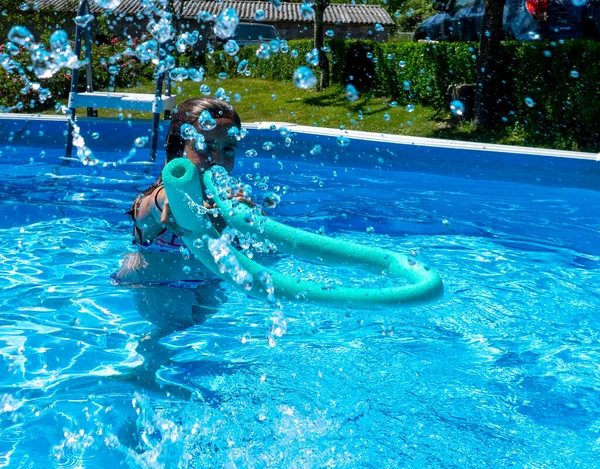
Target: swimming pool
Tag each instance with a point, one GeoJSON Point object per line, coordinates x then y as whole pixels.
{"type": "Point", "coordinates": [502, 371]}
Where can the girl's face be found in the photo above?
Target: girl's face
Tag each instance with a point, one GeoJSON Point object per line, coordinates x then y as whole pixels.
{"type": "Point", "coordinates": [220, 147]}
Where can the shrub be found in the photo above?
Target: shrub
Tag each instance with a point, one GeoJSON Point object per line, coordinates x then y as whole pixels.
{"type": "Point", "coordinates": [560, 78]}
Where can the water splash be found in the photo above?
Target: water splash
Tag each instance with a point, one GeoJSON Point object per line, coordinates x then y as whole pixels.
{"type": "Point", "coordinates": [351, 93]}
{"type": "Point", "coordinates": [304, 78]}
{"type": "Point", "coordinates": [226, 23]}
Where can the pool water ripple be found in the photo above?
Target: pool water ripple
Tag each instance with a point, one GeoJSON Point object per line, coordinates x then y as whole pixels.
{"type": "Point", "coordinates": [500, 372]}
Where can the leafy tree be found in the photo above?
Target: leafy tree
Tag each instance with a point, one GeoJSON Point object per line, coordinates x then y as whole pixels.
{"type": "Point", "coordinates": [489, 63]}
{"type": "Point", "coordinates": [319, 9]}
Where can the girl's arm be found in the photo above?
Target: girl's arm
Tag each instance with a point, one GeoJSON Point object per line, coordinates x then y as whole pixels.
{"type": "Point", "coordinates": [152, 217]}
{"type": "Point", "coordinates": [146, 213]}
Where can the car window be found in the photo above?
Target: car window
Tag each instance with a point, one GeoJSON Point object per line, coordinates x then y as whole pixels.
{"type": "Point", "coordinates": [460, 4]}
{"type": "Point", "coordinates": [254, 32]}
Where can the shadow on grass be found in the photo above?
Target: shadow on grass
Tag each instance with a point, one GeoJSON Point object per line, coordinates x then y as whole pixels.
{"type": "Point", "coordinates": [337, 98]}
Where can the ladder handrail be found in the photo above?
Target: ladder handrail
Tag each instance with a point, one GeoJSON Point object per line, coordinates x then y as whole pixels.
{"type": "Point", "coordinates": [162, 80]}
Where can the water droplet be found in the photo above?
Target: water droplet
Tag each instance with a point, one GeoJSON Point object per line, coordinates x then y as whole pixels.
{"type": "Point", "coordinates": [83, 20]}
{"type": "Point", "coordinates": [306, 12]}
{"type": "Point", "coordinates": [342, 141]}
{"type": "Point", "coordinates": [20, 35]}
{"type": "Point", "coordinates": [304, 78]}
{"type": "Point", "coordinates": [259, 15]}
{"type": "Point", "coordinates": [406, 85]}
{"type": "Point", "coordinates": [529, 102]}
{"type": "Point", "coordinates": [379, 28]}
{"type": "Point", "coordinates": [574, 74]}
{"type": "Point", "coordinates": [108, 4]}
{"type": "Point", "coordinates": [273, 97]}
{"type": "Point", "coordinates": [205, 89]}
{"type": "Point", "coordinates": [161, 30]}
{"type": "Point", "coordinates": [263, 52]}
{"type": "Point", "coordinates": [222, 76]}
{"type": "Point", "coordinates": [316, 150]}
{"type": "Point", "coordinates": [386, 117]}
{"type": "Point", "coordinates": [140, 142]}
{"type": "Point", "coordinates": [206, 121]}
{"type": "Point", "coordinates": [446, 223]}
{"type": "Point", "coordinates": [283, 46]}
{"type": "Point", "coordinates": [274, 45]}
{"type": "Point", "coordinates": [196, 74]}
{"type": "Point", "coordinates": [165, 65]}
{"type": "Point", "coordinates": [329, 33]}
{"type": "Point", "coordinates": [237, 97]}
{"type": "Point", "coordinates": [24, 7]}
{"type": "Point", "coordinates": [242, 66]}
{"type": "Point", "coordinates": [410, 107]}
{"type": "Point", "coordinates": [370, 230]}
{"type": "Point", "coordinates": [313, 57]}
{"type": "Point", "coordinates": [351, 93]}
{"type": "Point", "coordinates": [402, 64]}
{"type": "Point", "coordinates": [294, 54]}
{"type": "Point", "coordinates": [276, 4]}
{"type": "Point", "coordinates": [231, 47]}
{"type": "Point", "coordinates": [187, 269]}
{"type": "Point", "coordinates": [547, 53]}
{"type": "Point", "coordinates": [44, 94]}
{"type": "Point", "coordinates": [95, 135]}
{"type": "Point", "coordinates": [579, 3]}
{"type": "Point", "coordinates": [226, 23]}
{"type": "Point", "coordinates": [147, 51]}
{"type": "Point", "coordinates": [457, 108]}
{"type": "Point", "coordinates": [271, 200]}
{"type": "Point", "coordinates": [179, 74]}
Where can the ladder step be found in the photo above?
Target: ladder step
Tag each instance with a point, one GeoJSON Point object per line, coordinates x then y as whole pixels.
{"type": "Point", "coordinates": [123, 101]}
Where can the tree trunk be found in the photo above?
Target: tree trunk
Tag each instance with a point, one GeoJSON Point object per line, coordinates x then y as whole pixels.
{"type": "Point", "coordinates": [489, 63]}
{"type": "Point", "coordinates": [319, 9]}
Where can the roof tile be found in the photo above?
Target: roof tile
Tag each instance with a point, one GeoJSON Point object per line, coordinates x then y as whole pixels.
{"type": "Point", "coordinates": [334, 13]}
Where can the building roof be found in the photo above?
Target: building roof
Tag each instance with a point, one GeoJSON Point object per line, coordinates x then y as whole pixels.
{"type": "Point", "coordinates": [289, 12]}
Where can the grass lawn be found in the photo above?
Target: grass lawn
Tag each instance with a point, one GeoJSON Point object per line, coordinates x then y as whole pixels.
{"type": "Point", "coordinates": [262, 100]}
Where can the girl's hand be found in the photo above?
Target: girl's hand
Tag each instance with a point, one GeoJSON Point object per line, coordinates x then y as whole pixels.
{"type": "Point", "coordinates": [167, 220]}
{"type": "Point", "coordinates": [239, 196]}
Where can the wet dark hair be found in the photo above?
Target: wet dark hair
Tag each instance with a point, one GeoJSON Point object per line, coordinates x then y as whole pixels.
{"type": "Point", "coordinates": [189, 112]}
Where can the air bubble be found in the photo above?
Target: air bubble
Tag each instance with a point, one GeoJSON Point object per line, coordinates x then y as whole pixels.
{"type": "Point", "coordinates": [342, 141]}
{"type": "Point", "coordinates": [351, 93]}
{"type": "Point", "coordinates": [231, 47]}
{"type": "Point", "coordinates": [457, 108]}
{"type": "Point", "coordinates": [312, 58]}
{"type": "Point", "coordinates": [304, 78]}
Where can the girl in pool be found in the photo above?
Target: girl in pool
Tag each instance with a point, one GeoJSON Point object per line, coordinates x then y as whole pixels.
{"type": "Point", "coordinates": [173, 290]}
{"type": "Point", "coordinates": [159, 259]}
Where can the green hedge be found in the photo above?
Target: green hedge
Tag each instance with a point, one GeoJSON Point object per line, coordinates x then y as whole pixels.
{"type": "Point", "coordinates": [566, 113]}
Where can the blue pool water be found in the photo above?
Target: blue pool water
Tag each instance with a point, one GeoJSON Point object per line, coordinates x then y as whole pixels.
{"type": "Point", "coordinates": [501, 372]}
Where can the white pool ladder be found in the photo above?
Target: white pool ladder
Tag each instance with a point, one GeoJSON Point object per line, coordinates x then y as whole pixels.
{"type": "Point", "coordinates": [92, 100]}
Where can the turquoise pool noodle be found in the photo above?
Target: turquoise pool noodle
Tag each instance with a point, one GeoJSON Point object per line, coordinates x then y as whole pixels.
{"type": "Point", "coordinates": [184, 191]}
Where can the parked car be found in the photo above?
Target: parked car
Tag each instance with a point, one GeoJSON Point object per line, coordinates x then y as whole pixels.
{"type": "Point", "coordinates": [252, 34]}
{"type": "Point", "coordinates": [524, 20]}
{"type": "Point", "coordinates": [247, 34]}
